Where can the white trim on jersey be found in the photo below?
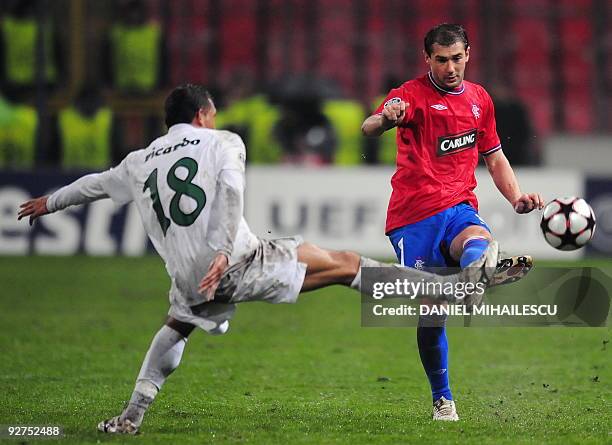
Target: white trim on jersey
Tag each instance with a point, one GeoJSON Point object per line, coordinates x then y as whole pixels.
{"type": "Point", "coordinates": [490, 151]}
{"type": "Point", "coordinates": [438, 87]}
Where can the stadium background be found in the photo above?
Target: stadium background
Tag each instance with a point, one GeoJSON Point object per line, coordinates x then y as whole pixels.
{"type": "Point", "coordinates": [271, 64]}
{"type": "Point", "coordinates": [80, 298]}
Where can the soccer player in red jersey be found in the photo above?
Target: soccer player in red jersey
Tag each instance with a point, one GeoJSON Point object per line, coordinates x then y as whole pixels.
{"type": "Point", "coordinates": [443, 123]}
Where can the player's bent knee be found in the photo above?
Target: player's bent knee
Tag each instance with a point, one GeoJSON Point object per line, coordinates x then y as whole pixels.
{"type": "Point", "coordinates": [472, 232]}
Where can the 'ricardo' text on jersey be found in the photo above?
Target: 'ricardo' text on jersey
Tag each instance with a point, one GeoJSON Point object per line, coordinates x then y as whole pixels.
{"type": "Point", "coordinates": [438, 145]}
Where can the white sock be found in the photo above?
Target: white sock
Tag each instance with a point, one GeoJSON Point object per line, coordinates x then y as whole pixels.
{"type": "Point", "coordinates": [365, 262]}
{"type": "Point", "coordinates": [163, 357]}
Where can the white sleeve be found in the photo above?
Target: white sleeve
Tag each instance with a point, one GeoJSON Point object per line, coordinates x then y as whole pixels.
{"type": "Point", "coordinates": [111, 183]}
{"type": "Point", "coordinates": [232, 155]}
{"type": "Point", "coordinates": [226, 211]}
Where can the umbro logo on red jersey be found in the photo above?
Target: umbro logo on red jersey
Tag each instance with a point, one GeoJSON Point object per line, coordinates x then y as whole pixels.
{"type": "Point", "coordinates": [439, 107]}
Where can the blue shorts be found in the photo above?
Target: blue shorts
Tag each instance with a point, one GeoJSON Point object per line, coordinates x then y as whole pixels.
{"type": "Point", "coordinates": [426, 243]}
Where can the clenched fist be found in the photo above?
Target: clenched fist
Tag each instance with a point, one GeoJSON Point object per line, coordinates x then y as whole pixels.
{"type": "Point", "coordinates": [394, 112]}
{"type": "Point", "coordinates": [528, 202]}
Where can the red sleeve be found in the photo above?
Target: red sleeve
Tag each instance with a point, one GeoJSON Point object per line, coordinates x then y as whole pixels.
{"type": "Point", "coordinates": [488, 140]}
{"type": "Point", "coordinates": [397, 94]}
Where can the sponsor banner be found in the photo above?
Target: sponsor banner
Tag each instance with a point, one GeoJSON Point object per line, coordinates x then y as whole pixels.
{"type": "Point", "coordinates": [338, 208]}
{"type": "Point", "coordinates": [100, 228]}
{"type": "Point", "coordinates": [599, 196]}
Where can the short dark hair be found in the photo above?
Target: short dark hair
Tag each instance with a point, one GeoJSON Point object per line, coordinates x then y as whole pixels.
{"type": "Point", "coordinates": [445, 34]}
{"type": "Point", "coordinates": [184, 102]}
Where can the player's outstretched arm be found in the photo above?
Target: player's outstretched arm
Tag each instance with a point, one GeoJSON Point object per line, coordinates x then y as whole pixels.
{"type": "Point", "coordinates": [392, 115]}
{"type": "Point", "coordinates": [110, 183]}
{"type": "Point", "coordinates": [506, 182]}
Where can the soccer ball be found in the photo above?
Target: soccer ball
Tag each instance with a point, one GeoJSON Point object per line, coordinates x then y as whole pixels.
{"type": "Point", "coordinates": [568, 223]}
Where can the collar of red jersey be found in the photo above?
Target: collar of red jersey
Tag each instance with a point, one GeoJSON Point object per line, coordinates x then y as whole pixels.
{"type": "Point", "coordinates": [456, 91]}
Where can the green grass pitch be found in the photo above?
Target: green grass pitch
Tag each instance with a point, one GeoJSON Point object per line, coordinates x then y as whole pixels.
{"type": "Point", "coordinates": [75, 330]}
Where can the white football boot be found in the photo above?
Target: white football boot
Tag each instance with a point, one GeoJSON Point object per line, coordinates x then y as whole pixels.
{"type": "Point", "coordinates": [115, 425]}
{"type": "Point", "coordinates": [444, 409]}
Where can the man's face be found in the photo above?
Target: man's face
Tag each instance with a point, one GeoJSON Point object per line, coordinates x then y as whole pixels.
{"type": "Point", "coordinates": [447, 64]}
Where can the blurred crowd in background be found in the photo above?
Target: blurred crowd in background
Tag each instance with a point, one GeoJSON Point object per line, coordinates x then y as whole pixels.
{"type": "Point", "coordinates": [82, 82]}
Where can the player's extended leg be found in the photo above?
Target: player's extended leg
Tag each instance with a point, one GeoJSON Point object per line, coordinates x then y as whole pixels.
{"type": "Point", "coordinates": [419, 245]}
{"type": "Point", "coordinates": [466, 247]}
{"type": "Point", "coordinates": [327, 267]}
{"type": "Point", "coordinates": [163, 357]}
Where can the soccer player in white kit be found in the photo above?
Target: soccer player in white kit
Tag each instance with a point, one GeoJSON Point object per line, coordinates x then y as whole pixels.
{"type": "Point", "coordinates": [188, 186]}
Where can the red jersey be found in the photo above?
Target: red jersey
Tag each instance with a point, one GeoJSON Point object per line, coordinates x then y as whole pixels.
{"type": "Point", "coordinates": [437, 148]}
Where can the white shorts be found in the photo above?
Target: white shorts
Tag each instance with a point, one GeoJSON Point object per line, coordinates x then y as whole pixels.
{"type": "Point", "coordinates": [271, 273]}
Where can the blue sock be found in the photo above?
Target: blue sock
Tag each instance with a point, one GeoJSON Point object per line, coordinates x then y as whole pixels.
{"type": "Point", "coordinates": [433, 349]}
{"type": "Point", "coordinates": [473, 250]}
{"type": "Point", "coordinates": [432, 341]}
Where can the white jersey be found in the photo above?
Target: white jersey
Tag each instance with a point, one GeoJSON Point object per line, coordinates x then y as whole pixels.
{"type": "Point", "coordinates": [173, 184]}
